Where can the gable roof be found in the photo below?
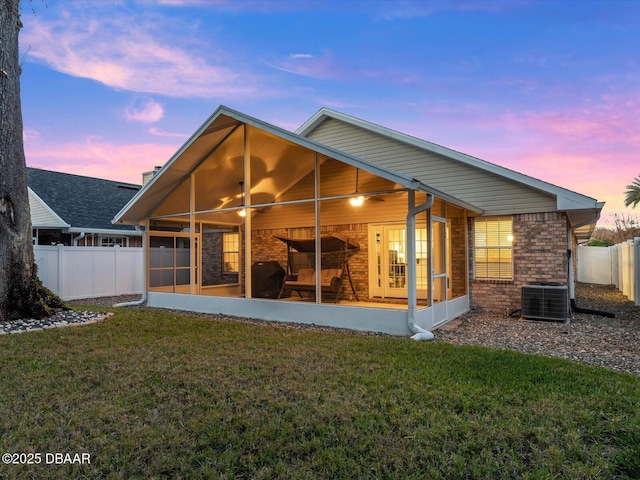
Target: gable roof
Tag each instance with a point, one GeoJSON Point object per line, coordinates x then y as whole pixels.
{"type": "Point", "coordinates": [214, 131]}
{"type": "Point", "coordinates": [494, 189]}
{"type": "Point", "coordinates": [76, 202]}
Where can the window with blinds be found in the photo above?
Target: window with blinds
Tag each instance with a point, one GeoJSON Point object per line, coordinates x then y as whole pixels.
{"type": "Point", "coordinates": [493, 247]}
{"type": "Point", "coordinates": [230, 252]}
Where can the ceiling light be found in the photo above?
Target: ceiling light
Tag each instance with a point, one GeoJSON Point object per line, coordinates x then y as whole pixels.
{"type": "Point", "coordinates": [356, 201]}
{"type": "Point", "coordinates": [242, 212]}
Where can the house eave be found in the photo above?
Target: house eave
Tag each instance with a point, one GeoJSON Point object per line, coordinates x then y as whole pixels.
{"type": "Point", "coordinates": [583, 221]}
{"type": "Point", "coordinates": [60, 223]}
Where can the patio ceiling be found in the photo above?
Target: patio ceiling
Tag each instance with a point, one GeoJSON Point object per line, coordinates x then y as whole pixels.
{"type": "Point", "coordinates": [215, 152]}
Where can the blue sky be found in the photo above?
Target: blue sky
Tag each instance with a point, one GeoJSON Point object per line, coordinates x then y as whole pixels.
{"type": "Point", "coordinates": [548, 88]}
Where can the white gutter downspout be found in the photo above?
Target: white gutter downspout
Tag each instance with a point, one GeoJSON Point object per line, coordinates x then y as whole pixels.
{"type": "Point", "coordinates": [144, 274]}
{"type": "Point", "coordinates": [78, 238]}
{"type": "Point", "coordinates": [419, 333]}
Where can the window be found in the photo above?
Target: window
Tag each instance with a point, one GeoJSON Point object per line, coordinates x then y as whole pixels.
{"type": "Point", "coordinates": [493, 247]}
{"type": "Point", "coordinates": [300, 232]}
{"type": "Point", "coordinates": [113, 241]}
{"type": "Point", "coordinates": [230, 252]}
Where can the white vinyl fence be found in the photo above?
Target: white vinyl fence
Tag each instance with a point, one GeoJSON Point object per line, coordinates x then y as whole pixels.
{"type": "Point", "coordinates": [618, 265]}
{"type": "Point", "coordinates": [87, 272]}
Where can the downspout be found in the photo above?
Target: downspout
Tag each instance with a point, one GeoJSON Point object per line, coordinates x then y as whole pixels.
{"type": "Point", "coordinates": [78, 238]}
{"type": "Point", "coordinates": [571, 281]}
{"type": "Point", "coordinates": [419, 333]}
{"type": "Point", "coordinates": [143, 299]}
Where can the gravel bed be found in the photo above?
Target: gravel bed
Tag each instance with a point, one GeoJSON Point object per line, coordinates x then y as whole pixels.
{"type": "Point", "coordinates": [613, 343]}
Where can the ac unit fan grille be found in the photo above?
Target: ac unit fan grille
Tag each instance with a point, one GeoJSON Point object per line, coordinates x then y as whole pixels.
{"type": "Point", "coordinates": [545, 302]}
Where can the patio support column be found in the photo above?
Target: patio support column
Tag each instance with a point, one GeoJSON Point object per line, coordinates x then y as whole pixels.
{"type": "Point", "coordinates": [318, 245]}
{"type": "Point", "coordinates": [193, 281]}
{"type": "Point", "coordinates": [412, 296]}
{"type": "Point", "coordinates": [247, 218]}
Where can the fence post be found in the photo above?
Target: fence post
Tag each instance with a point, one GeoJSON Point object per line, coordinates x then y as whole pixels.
{"type": "Point", "coordinates": [61, 283]}
{"type": "Point", "coordinates": [115, 269]}
{"type": "Point", "coordinates": [636, 270]}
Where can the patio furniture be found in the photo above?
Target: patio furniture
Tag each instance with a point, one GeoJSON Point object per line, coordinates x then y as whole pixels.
{"type": "Point", "coordinates": [335, 250]}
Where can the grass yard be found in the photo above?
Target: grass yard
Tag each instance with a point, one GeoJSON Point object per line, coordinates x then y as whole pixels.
{"type": "Point", "coordinates": [152, 394]}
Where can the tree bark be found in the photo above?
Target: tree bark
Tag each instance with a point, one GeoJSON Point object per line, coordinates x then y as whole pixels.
{"type": "Point", "coordinates": [18, 295]}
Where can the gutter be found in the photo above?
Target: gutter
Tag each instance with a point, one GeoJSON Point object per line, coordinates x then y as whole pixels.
{"type": "Point", "coordinates": [419, 333]}
{"type": "Point", "coordinates": [144, 275]}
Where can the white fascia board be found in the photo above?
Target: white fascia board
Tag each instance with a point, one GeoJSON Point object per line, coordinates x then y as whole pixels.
{"type": "Point", "coordinates": [567, 199]}
{"type": "Point", "coordinates": [60, 222]}
{"type": "Point", "coordinates": [566, 203]}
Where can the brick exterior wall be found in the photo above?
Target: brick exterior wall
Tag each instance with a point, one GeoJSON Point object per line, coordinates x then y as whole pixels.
{"type": "Point", "coordinates": [539, 255]}
{"type": "Point", "coordinates": [265, 247]}
{"type": "Point", "coordinates": [458, 273]}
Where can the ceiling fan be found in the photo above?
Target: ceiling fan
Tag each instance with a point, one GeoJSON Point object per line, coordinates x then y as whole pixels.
{"type": "Point", "coordinates": [358, 199]}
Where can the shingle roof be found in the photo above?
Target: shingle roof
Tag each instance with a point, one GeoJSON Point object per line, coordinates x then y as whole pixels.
{"type": "Point", "coordinates": [82, 202]}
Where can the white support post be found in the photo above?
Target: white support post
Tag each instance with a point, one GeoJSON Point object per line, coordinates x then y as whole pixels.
{"type": "Point", "coordinates": [247, 218]}
{"type": "Point", "coordinates": [318, 244]}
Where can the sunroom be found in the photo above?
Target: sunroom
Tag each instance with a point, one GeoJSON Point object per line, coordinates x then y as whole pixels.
{"type": "Point", "coordinates": [244, 210]}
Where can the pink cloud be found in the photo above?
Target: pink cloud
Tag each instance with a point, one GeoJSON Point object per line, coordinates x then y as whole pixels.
{"type": "Point", "coordinates": [126, 52]}
{"type": "Point", "coordinates": [592, 149]}
{"type": "Point", "coordinates": [158, 132]}
{"type": "Point", "coordinates": [144, 110]}
{"type": "Point", "coordinates": [315, 66]}
{"type": "Point", "coordinates": [98, 158]}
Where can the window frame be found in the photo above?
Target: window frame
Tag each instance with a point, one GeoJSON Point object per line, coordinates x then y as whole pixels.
{"type": "Point", "coordinates": [497, 241]}
{"type": "Point", "coordinates": [229, 252]}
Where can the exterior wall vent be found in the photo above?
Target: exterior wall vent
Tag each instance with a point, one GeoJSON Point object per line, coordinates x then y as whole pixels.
{"type": "Point", "coordinates": [545, 301]}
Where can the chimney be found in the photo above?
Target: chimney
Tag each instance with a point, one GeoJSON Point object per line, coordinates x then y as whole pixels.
{"type": "Point", "coordinates": [147, 176]}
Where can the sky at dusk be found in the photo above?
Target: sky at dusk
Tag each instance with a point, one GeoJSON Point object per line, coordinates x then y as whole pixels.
{"type": "Point", "coordinates": [550, 89]}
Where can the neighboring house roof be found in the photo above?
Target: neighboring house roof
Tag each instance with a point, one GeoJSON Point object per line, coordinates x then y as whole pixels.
{"type": "Point", "coordinates": [77, 203]}
{"type": "Point", "coordinates": [494, 189]}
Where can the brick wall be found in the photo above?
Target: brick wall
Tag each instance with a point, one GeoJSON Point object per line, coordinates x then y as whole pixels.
{"type": "Point", "coordinates": [458, 271]}
{"type": "Point", "coordinates": [266, 247]}
{"type": "Point", "coordinates": [539, 255]}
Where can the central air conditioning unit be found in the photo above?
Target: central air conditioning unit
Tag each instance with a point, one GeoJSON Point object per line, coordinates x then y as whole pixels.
{"type": "Point", "coordinates": [545, 301]}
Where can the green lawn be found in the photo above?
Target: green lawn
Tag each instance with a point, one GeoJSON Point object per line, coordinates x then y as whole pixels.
{"type": "Point", "coordinates": [159, 395]}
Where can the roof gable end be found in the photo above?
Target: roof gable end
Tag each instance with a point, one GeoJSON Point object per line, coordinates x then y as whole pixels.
{"type": "Point", "coordinates": [565, 199]}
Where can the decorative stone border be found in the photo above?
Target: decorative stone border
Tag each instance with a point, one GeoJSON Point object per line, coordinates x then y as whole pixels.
{"type": "Point", "coordinates": [65, 318]}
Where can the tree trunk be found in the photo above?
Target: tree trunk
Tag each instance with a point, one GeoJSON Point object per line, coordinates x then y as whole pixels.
{"type": "Point", "coordinates": [18, 295]}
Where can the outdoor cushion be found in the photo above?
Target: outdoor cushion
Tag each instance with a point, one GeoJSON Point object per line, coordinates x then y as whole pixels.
{"type": "Point", "coordinates": [329, 277]}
